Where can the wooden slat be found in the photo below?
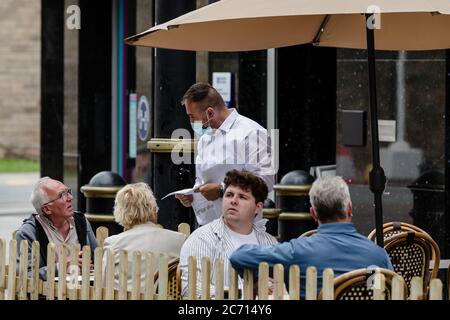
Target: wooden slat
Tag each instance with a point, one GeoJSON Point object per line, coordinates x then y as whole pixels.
{"type": "Point", "coordinates": [379, 285]}
{"type": "Point", "coordinates": [311, 283]}
{"type": "Point", "coordinates": [136, 281]}
{"type": "Point", "coordinates": [184, 228]}
{"type": "Point", "coordinates": [98, 272]}
{"type": "Point", "coordinates": [248, 284]}
{"type": "Point", "coordinates": [206, 278]}
{"type": "Point", "coordinates": [328, 284]}
{"type": "Point", "coordinates": [51, 266]}
{"type": "Point", "coordinates": [233, 291]}
{"type": "Point", "coordinates": [23, 270]}
{"type": "Point", "coordinates": [2, 268]}
{"type": "Point", "coordinates": [74, 272]}
{"type": "Point", "coordinates": [35, 257]}
{"type": "Point", "coordinates": [398, 288]}
{"type": "Point", "coordinates": [416, 288]}
{"type": "Point", "coordinates": [85, 273]}
{"type": "Point", "coordinates": [163, 276]}
{"type": "Point", "coordinates": [192, 278]}
{"type": "Point", "coordinates": [62, 272]}
{"type": "Point", "coordinates": [263, 280]}
{"type": "Point", "coordinates": [436, 289]}
{"type": "Point", "coordinates": [123, 274]}
{"type": "Point", "coordinates": [149, 276]}
{"type": "Point", "coordinates": [109, 286]}
{"type": "Point", "coordinates": [278, 278]}
{"type": "Point", "coordinates": [294, 282]}
{"type": "Point", "coordinates": [219, 279]}
{"type": "Point", "coordinates": [12, 270]}
{"type": "Point", "coordinates": [101, 234]}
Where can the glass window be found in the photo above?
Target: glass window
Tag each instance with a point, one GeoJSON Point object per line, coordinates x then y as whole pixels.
{"type": "Point", "coordinates": [410, 92]}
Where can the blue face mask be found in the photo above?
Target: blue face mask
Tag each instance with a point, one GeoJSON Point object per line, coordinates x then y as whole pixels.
{"type": "Point", "coordinates": [198, 129]}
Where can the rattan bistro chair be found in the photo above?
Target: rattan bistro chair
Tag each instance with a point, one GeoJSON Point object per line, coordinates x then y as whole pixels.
{"type": "Point", "coordinates": [357, 284]}
{"type": "Point", "coordinates": [308, 233]}
{"type": "Point", "coordinates": [448, 280]}
{"type": "Point", "coordinates": [174, 280]}
{"type": "Point", "coordinates": [392, 228]}
{"type": "Point", "coordinates": [410, 254]}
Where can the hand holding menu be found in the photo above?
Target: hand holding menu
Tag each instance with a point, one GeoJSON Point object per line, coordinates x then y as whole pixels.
{"type": "Point", "coordinates": [183, 192]}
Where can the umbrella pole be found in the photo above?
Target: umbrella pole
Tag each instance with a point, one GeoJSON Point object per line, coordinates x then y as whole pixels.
{"type": "Point", "coordinates": [377, 179]}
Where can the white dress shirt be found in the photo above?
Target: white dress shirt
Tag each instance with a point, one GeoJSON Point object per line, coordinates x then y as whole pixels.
{"type": "Point", "coordinates": [239, 143]}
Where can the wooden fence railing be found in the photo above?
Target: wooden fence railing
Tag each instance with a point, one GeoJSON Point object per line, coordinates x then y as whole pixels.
{"type": "Point", "coordinates": [17, 282]}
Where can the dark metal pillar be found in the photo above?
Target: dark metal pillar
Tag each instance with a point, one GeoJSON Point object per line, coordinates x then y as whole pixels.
{"type": "Point", "coordinates": [94, 134]}
{"type": "Point", "coordinates": [306, 108]}
{"type": "Point", "coordinates": [253, 85]}
{"type": "Point", "coordinates": [52, 88]}
{"type": "Point", "coordinates": [174, 74]}
{"type": "Point", "coordinates": [445, 251]}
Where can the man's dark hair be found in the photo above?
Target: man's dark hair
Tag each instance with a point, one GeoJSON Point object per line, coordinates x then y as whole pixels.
{"type": "Point", "coordinates": [249, 182]}
{"type": "Point", "coordinates": [205, 94]}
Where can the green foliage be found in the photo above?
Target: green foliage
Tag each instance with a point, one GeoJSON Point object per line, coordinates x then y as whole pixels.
{"type": "Point", "coordinates": [18, 165]}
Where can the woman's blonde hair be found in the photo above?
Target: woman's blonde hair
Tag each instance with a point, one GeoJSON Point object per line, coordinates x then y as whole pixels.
{"type": "Point", "coordinates": [135, 204]}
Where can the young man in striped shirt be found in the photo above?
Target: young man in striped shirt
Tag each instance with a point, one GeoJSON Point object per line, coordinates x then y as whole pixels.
{"type": "Point", "coordinates": [243, 198]}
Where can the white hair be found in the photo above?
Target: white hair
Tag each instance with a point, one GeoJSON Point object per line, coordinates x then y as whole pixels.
{"type": "Point", "coordinates": [330, 198]}
{"type": "Point", "coordinates": [38, 195]}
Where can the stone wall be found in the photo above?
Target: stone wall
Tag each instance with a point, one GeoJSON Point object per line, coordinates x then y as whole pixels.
{"type": "Point", "coordinates": [20, 51]}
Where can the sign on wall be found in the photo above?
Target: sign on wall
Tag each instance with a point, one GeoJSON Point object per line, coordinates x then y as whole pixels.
{"type": "Point", "coordinates": [223, 83]}
{"type": "Point", "coordinates": [132, 143]}
{"type": "Point", "coordinates": [143, 118]}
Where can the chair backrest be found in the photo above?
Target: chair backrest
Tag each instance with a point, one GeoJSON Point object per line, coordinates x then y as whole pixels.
{"type": "Point", "coordinates": [184, 228]}
{"type": "Point", "coordinates": [410, 254]}
{"type": "Point", "coordinates": [392, 228]}
{"type": "Point", "coordinates": [308, 233]}
{"type": "Point", "coordinates": [448, 280]}
{"type": "Point", "coordinates": [101, 233]}
{"type": "Point", "coordinates": [357, 284]}
{"type": "Point", "coordinates": [174, 280]}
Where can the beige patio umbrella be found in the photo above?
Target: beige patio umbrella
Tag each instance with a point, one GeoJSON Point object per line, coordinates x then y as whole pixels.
{"type": "Point", "coordinates": [240, 25]}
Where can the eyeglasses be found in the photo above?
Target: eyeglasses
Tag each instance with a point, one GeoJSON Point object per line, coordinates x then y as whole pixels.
{"type": "Point", "coordinates": [63, 194]}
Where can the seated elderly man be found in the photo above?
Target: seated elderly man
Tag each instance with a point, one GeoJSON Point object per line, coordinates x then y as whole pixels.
{"type": "Point", "coordinates": [54, 221]}
{"type": "Point", "coordinates": [243, 198]}
{"type": "Point", "coordinates": [336, 245]}
{"type": "Point", "coordinates": [135, 209]}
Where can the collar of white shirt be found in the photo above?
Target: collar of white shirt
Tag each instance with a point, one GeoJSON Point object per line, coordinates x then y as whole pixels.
{"type": "Point", "coordinates": [228, 122]}
{"type": "Point", "coordinates": [218, 226]}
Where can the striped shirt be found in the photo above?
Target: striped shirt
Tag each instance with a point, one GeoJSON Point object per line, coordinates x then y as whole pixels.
{"type": "Point", "coordinates": [213, 241]}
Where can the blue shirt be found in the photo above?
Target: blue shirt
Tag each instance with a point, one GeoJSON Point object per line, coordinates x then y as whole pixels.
{"type": "Point", "coordinates": [335, 245]}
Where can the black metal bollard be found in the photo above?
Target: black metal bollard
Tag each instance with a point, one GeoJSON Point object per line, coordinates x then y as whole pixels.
{"type": "Point", "coordinates": [293, 200]}
{"type": "Point", "coordinates": [100, 194]}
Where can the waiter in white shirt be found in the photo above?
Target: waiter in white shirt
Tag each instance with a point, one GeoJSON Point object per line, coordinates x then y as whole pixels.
{"type": "Point", "coordinates": [227, 141]}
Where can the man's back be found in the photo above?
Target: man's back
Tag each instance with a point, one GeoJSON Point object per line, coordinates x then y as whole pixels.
{"type": "Point", "coordinates": [340, 247]}
{"type": "Point", "coordinates": [336, 245]}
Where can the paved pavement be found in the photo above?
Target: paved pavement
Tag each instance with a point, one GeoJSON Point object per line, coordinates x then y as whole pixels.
{"type": "Point", "coordinates": [15, 190]}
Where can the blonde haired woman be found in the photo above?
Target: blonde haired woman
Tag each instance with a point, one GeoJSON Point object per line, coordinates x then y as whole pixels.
{"type": "Point", "coordinates": [135, 209]}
